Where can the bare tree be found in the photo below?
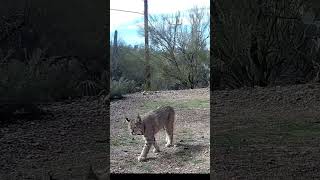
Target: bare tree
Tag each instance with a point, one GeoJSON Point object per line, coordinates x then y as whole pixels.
{"type": "Point", "coordinates": [183, 45]}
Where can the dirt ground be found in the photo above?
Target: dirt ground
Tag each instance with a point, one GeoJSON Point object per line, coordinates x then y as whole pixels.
{"type": "Point", "coordinates": [266, 133]}
{"type": "Point", "coordinates": [260, 133]}
{"type": "Point", "coordinates": [191, 135]}
{"type": "Point", "coordinates": [62, 145]}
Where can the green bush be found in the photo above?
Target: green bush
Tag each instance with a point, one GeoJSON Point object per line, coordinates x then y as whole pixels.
{"type": "Point", "coordinates": [23, 82]}
{"type": "Point", "coordinates": [121, 87]}
{"type": "Point", "coordinates": [39, 80]}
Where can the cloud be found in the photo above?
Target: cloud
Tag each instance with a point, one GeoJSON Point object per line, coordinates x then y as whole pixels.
{"type": "Point", "coordinates": [119, 18]}
{"type": "Point", "coordinates": [135, 26]}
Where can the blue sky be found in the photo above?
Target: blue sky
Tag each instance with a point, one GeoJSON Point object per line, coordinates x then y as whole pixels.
{"type": "Point", "coordinates": [127, 24]}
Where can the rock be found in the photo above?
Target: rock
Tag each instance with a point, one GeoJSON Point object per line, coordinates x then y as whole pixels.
{"type": "Point", "coordinates": [144, 93]}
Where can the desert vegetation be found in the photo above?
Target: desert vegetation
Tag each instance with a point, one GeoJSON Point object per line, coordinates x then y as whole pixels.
{"type": "Point", "coordinates": [264, 43]}
{"type": "Point", "coordinates": [37, 67]}
{"type": "Point", "coordinates": [49, 57]}
{"type": "Point", "coordinates": [265, 89]}
{"type": "Point", "coordinates": [179, 55]}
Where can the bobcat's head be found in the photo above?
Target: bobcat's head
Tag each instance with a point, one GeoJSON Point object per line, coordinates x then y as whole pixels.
{"type": "Point", "coordinates": [135, 126]}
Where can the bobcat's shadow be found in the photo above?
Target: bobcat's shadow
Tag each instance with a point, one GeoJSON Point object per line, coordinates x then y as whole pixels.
{"type": "Point", "coordinates": [149, 159]}
{"type": "Point", "coordinates": [183, 151]}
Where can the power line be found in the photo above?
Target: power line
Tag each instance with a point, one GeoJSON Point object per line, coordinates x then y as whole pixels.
{"type": "Point", "coordinates": [139, 12]}
{"type": "Point", "coordinates": [127, 11]}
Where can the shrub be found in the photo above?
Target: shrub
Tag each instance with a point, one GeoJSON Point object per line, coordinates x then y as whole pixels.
{"type": "Point", "coordinates": [121, 87]}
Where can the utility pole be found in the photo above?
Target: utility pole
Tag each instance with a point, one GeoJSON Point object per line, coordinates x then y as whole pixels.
{"type": "Point", "coordinates": [146, 48]}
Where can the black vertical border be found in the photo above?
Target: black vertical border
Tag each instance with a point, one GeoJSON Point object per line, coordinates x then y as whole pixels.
{"type": "Point", "coordinates": [107, 117]}
{"type": "Point", "coordinates": [213, 15]}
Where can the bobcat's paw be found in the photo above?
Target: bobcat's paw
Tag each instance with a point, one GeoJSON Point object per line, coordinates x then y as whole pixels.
{"type": "Point", "coordinates": [140, 159]}
{"type": "Point", "coordinates": [169, 145]}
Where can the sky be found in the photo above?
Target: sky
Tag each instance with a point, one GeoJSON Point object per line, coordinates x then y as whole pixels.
{"type": "Point", "coordinates": [127, 24]}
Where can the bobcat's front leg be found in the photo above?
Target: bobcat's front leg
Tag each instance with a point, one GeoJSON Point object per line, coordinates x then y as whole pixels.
{"type": "Point", "coordinates": [144, 152]}
{"type": "Point", "coordinates": [148, 143]}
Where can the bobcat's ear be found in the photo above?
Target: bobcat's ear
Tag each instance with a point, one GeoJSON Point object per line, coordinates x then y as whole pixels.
{"type": "Point", "coordinates": [127, 119]}
{"type": "Point", "coordinates": [139, 118]}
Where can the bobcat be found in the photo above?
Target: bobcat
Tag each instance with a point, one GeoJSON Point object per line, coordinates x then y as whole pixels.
{"type": "Point", "coordinates": [150, 124]}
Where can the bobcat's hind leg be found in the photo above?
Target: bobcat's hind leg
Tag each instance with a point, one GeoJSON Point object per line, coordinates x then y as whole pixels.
{"type": "Point", "coordinates": [169, 135]}
{"type": "Point", "coordinates": [156, 147]}
{"type": "Point", "coordinates": [169, 139]}
{"type": "Point", "coordinates": [169, 129]}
